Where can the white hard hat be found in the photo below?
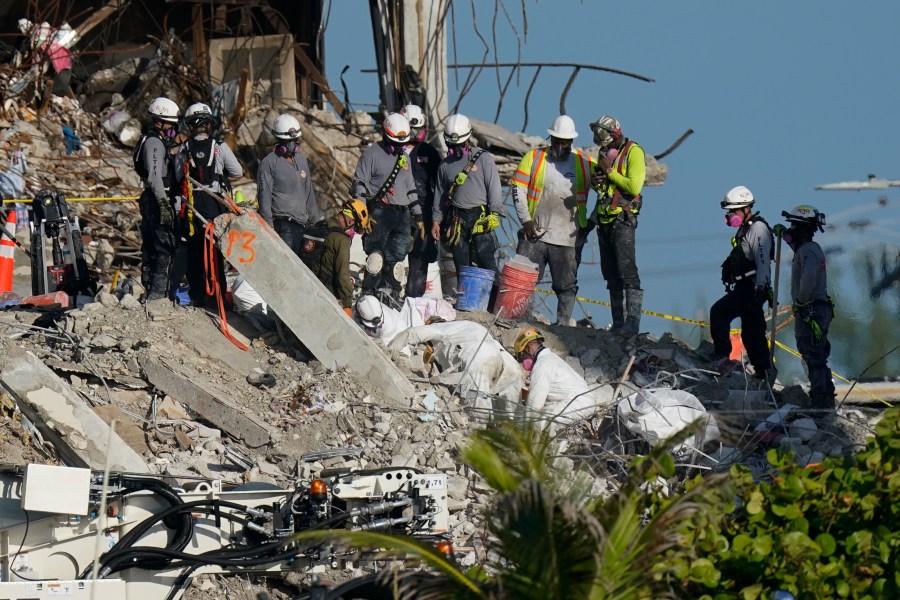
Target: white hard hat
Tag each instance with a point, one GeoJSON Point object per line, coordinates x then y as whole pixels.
{"type": "Point", "coordinates": [370, 311]}
{"type": "Point", "coordinates": [737, 197]}
{"type": "Point", "coordinates": [457, 130]}
{"type": "Point", "coordinates": [563, 128]}
{"type": "Point", "coordinates": [286, 127]}
{"type": "Point", "coordinates": [806, 214]}
{"type": "Point", "coordinates": [396, 127]}
{"type": "Point", "coordinates": [164, 110]}
{"type": "Point", "coordinates": [606, 129]}
{"type": "Point", "coordinates": [414, 114]}
{"type": "Point", "coordinates": [197, 109]}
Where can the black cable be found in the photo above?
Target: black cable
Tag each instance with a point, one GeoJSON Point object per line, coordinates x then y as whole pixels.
{"type": "Point", "coordinates": [19, 551]}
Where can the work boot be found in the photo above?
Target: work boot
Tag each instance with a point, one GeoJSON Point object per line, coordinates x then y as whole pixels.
{"type": "Point", "coordinates": [634, 300]}
{"type": "Point", "coordinates": [617, 308]}
{"type": "Point", "coordinates": [564, 305]}
{"type": "Point", "coordinates": [724, 366]}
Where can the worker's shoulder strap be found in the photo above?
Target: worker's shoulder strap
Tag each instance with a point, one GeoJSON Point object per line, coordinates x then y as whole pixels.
{"type": "Point", "coordinates": [401, 163]}
{"type": "Point", "coordinates": [459, 180]}
{"type": "Point", "coordinates": [754, 218]}
{"type": "Point", "coordinates": [634, 203]}
{"type": "Point", "coordinates": [624, 155]}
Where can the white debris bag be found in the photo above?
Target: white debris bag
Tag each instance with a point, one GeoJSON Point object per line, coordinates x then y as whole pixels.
{"type": "Point", "coordinates": [657, 414]}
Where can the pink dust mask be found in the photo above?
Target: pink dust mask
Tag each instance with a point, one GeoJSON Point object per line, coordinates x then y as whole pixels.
{"type": "Point", "coordinates": [733, 219]}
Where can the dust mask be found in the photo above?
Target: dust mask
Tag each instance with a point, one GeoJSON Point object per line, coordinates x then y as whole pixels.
{"type": "Point", "coordinates": [528, 363]}
{"type": "Point", "coordinates": [612, 153]}
{"type": "Point", "coordinates": [350, 232]}
{"type": "Point", "coordinates": [733, 219]}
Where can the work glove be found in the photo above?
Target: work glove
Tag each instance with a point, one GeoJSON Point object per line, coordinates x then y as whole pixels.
{"type": "Point", "coordinates": [763, 294]}
{"type": "Point", "coordinates": [420, 229]}
{"type": "Point", "coordinates": [166, 212]}
{"type": "Point", "coordinates": [487, 222]}
{"type": "Point", "coordinates": [454, 233]}
{"type": "Point", "coordinates": [529, 229]}
{"type": "Point", "coordinates": [369, 225]}
{"type": "Point", "coordinates": [779, 230]}
{"type": "Point", "coordinates": [817, 334]}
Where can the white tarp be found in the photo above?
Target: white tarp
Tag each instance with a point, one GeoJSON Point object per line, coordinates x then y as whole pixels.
{"type": "Point", "coordinates": [657, 414]}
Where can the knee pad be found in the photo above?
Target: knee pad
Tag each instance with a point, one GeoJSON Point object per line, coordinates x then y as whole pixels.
{"type": "Point", "coordinates": [375, 263]}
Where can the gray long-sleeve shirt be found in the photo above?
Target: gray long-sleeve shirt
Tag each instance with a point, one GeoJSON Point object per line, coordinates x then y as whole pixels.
{"type": "Point", "coordinates": [155, 157]}
{"type": "Point", "coordinates": [481, 187]}
{"type": "Point", "coordinates": [372, 171]}
{"type": "Point", "coordinates": [284, 189]}
{"type": "Point", "coordinates": [756, 244]}
{"type": "Point", "coordinates": [808, 276]}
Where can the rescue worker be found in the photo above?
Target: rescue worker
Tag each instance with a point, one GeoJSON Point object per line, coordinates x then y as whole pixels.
{"type": "Point", "coordinates": [287, 201]}
{"type": "Point", "coordinates": [384, 181]}
{"type": "Point", "coordinates": [152, 162]}
{"type": "Point", "coordinates": [556, 392]}
{"type": "Point", "coordinates": [491, 378]}
{"type": "Point", "coordinates": [424, 159]}
{"type": "Point", "coordinates": [467, 200]}
{"type": "Point", "coordinates": [813, 307]}
{"type": "Point", "coordinates": [211, 163]}
{"type": "Point", "coordinates": [333, 268]}
{"type": "Point", "coordinates": [383, 322]}
{"type": "Point", "coordinates": [746, 275]}
{"type": "Point", "coordinates": [550, 191]}
{"type": "Point", "coordinates": [618, 180]}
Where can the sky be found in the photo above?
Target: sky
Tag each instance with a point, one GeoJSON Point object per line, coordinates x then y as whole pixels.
{"type": "Point", "coordinates": [782, 96]}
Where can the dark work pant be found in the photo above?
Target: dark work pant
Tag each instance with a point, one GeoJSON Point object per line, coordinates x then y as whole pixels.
{"type": "Point", "coordinates": [617, 256]}
{"type": "Point", "coordinates": [478, 250]}
{"type": "Point", "coordinates": [563, 271]}
{"type": "Point", "coordinates": [739, 302]}
{"type": "Point", "coordinates": [815, 354]}
{"type": "Point", "coordinates": [290, 232]}
{"type": "Point", "coordinates": [158, 246]}
{"type": "Point", "coordinates": [423, 253]}
{"type": "Point", "coordinates": [390, 236]}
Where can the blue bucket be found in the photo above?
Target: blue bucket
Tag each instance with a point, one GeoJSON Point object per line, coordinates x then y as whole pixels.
{"type": "Point", "coordinates": [474, 288]}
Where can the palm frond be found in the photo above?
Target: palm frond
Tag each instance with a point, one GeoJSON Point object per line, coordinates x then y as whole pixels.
{"type": "Point", "coordinates": [455, 583]}
{"type": "Point", "coordinates": [548, 544]}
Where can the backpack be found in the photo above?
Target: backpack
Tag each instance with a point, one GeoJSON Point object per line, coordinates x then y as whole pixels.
{"type": "Point", "coordinates": [201, 160]}
{"type": "Point", "coordinates": [313, 246]}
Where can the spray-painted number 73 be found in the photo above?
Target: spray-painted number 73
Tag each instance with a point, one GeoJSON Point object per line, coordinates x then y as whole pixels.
{"type": "Point", "coordinates": [244, 239]}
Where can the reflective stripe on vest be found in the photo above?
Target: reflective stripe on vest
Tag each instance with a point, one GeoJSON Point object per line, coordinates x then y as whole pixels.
{"type": "Point", "coordinates": [534, 181]}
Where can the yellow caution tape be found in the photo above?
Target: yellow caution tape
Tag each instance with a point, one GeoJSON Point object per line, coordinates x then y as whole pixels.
{"type": "Point", "coordinates": [705, 324]}
{"type": "Point", "coordinates": [89, 199]}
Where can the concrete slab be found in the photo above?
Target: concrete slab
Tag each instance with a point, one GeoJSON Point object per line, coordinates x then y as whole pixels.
{"type": "Point", "coordinates": [203, 397]}
{"type": "Point", "coordinates": [63, 418]}
{"type": "Point", "coordinates": [305, 305]}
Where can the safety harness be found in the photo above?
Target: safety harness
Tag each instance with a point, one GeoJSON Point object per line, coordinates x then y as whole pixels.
{"type": "Point", "coordinates": [737, 267]}
{"type": "Point", "coordinates": [451, 223]}
{"type": "Point", "coordinates": [203, 170]}
{"type": "Point", "coordinates": [631, 203]}
{"type": "Point", "coordinates": [388, 185]}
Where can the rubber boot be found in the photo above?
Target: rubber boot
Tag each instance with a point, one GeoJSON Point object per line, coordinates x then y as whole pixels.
{"type": "Point", "coordinates": [634, 300]}
{"type": "Point", "coordinates": [617, 308]}
{"type": "Point", "coordinates": [564, 304]}
{"type": "Point", "coordinates": [159, 279]}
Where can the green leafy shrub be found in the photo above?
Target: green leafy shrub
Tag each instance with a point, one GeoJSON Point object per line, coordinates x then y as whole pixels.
{"type": "Point", "coordinates": [825, 531]}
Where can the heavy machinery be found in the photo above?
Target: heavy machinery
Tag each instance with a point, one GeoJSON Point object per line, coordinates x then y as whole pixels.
{"type": "Point", "coordinates": [57, 250]}
{"type": "Point", "coordinates": [145, 539]}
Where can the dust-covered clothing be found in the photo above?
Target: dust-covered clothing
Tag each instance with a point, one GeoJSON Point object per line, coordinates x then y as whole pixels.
{"type": "Point", "coordinates": [468, 348]}
{"type": "Point", "coordinates": [556, 214]}
{"type": "Point", "coordinates": [557, 392]}
{"type": "Point", "coordinates": [334, 265]}
{"type": "Point", "coordinates": [285, 190]}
